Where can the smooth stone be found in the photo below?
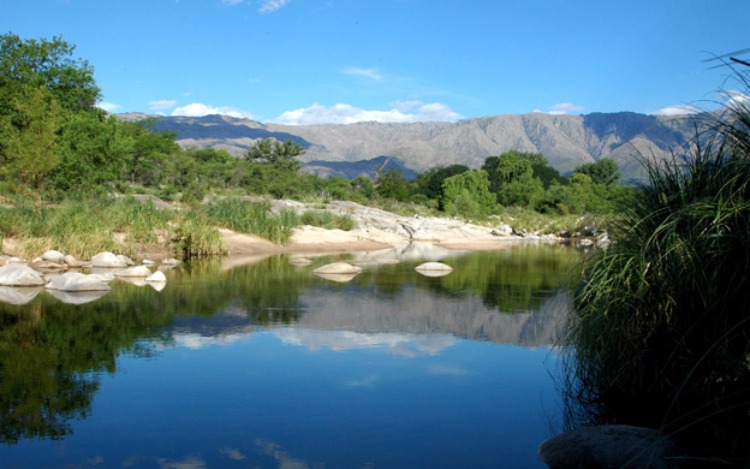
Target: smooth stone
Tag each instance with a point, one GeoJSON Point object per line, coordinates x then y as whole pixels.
{"type": "Point", "coordinates": [434, 269]}
{"type": "Point", "coordinates": [77, 282]}
{"type": "Point", "coordinates": [20, 275]}
{"type": "Point", "coordinates": [128, 261]}
{"type": "Point", "coordinates": [107, 259]}
{"type": "Point", "coordinates": [339, 278]}
{"type": "Point", "coordinates": [170, 261]}
{"type": "Point", "coordinates": [302, 261]}
{"type": "Point", "coordinates": [338, 268]}
{"type": "Point", "coordinates": [73, 262]}
{"type": "Point", "coordinates": [610, 446]}
{"type": "Point", "coordinates": [48, 265]}
{"type": "Point", "coordinates": [53, 256]}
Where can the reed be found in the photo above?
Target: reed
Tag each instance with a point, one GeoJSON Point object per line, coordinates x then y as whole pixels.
{"type": "Point", "coordinates": [661, 332]}
{"type": "Point", "coordinates": [254, 218]}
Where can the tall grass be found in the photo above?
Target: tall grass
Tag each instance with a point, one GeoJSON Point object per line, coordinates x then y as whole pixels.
{"type": "Point", "coordinates": [661, 336]}
{"type": "Point", "coordinates": [82, 227]}
{"type": "Point", "coordinates": [253, 217]}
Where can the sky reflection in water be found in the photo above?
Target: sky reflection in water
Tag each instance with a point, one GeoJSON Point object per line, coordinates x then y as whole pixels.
{"type": "Point", "coordinates": [419, 376]}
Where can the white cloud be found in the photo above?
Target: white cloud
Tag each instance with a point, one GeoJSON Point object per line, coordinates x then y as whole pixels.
{"type": "Point", "coordinates": [161, 104]}
{"type": "Point", "coordinates": [269, 6]}
{"type": "Point", "coordinates": [368, 73]}
{"type": "Point", "coordinates": [109, 107]}
{"type": "Point", "coordinates": [408, 111]}
{"type": "Point", "coordinates": [565, 108]}
{"type": "Point", "coordinates": [676, 111]}
{"type": "Point", "coordinates": [199, 109]}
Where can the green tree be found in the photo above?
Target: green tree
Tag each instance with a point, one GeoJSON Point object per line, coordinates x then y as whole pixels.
{"type": "Point", "coordinates": [604, 171]}
{"type": "Point", "coordinates": [46, 64]}
{"type": "Point", "coordinates": [282, 155]}
{"type": "Point", "coordinates": [468, 194]}
{"type": "Point", "coordinates": [92, 153]}
{"type": "Point", "coordinates": [391, 184]}
{"type": "Point", "coordinates": [430, 183]}
{"type": "Point", "coordinates": [511, 177]}
{"type": "Point", "coordinates": [28, 132]}
{"type": "Point", "coordinates": [363, 185]}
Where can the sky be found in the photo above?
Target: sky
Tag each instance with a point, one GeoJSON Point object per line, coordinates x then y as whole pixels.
{"type": "Point", "coordinates": [343, 61]}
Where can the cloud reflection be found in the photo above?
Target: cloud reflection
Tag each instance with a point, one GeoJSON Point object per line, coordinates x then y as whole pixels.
{"type": "Point", "coordinates": [285, 460]}
{"type": "Point", "coordinates": [410, 345]}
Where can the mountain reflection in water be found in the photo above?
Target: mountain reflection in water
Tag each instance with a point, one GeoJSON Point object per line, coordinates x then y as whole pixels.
{"type": "Point", "coordinates": [56, 358]}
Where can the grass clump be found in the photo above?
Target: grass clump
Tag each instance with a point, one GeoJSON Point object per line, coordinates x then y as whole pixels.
{"type": "Point", "coordinates": [328, 220]}
{"type": "Point", "coordinates": [661, 334]}
{"type": "Point", "coordinates": [253, 217]}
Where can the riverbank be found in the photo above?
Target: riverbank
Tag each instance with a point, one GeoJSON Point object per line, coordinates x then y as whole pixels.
{"type": "Point", "coordinates": [373, 229]}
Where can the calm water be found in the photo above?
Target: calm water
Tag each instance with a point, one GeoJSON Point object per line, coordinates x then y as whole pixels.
{"type": "Point", "coordinates": [267, 365]}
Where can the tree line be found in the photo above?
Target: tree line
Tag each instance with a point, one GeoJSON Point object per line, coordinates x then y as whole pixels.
{"type": "Point", "coordinates": [55, 142]}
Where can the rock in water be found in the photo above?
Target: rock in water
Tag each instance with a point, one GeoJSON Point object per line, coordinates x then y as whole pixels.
{"type": "Point", "coordinates": [137, 271]}
{"type": "Point", "coordinates": [20, 275]}
{"type": "Point", "coordinates": [107, 259]}
{"type": "Point", "coordinates": [434, 269]}
{"type": "Point", "coordinates": [338, 268]}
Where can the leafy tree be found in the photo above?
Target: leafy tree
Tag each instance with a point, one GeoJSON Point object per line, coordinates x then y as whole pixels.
{"type": "Point", "coordinates": [363, 185]}
{"type": "Point", "coordinates": [391, 184]}
{"type": "Point", "coordinates": [430, 183]}
{"type": "Point", "coordinates": [604, 171]}
{"type": "Point", "coordinates": [92, 152]}
{"type": "Point", "coordinates": [46, 64]}
{"type": "Point", "coordinates": [511, 177]}
{"type": "Point", "coordinates": [278, 154]}
{"type": "Point", "coordinates": [468, 194]}
{"type": "Point", "coordinates": [28, 132]}
{"type": "Point", "coordinates": [147, 152]}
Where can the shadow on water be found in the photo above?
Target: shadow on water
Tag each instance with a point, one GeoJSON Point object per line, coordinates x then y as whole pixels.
{"type": "Point", "coordinates": [53, 355]}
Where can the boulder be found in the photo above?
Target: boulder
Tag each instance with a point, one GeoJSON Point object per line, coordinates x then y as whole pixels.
{"type": "Point", "coordinates": [20, 275]}
{"type": "Point", "coordinates": [338, 278]}
{"type": "Point", "coordinates": [128, 261]}
{"type": "Point", "coordinates": [73, 262]}
{"type": "Point", "coordinates": [170, 261]}
{"type": "Point", "coordinates": [434, 269]}
{"type": "Point", "coordinates": [77, 282]}
{"type": "Point", "coordinates": [610, 446]}
{"type": "Point", "coordinates": [338, 268]}
{"type": "Point", "coordinates": [136, 271]}
{"type": "Point", "coordinates": [53, 256]}
{"type": "Point", "coordinates": [107, 259]}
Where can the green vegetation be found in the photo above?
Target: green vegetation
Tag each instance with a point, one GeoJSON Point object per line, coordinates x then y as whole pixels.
{"type": "Point", "coordinates": [661, 337]}
{"type": "Point", "coordinates": [57, 147]}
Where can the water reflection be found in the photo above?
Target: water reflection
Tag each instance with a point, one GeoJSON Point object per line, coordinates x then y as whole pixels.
{"type": "Point", "coordinates": [54, 356]}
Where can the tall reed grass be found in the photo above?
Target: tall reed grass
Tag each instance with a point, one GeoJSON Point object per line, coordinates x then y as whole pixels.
{"type": "Point", "coordinates": [661, 336]}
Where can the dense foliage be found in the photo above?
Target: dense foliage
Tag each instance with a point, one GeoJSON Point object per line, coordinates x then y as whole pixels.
{"type": "Point", "coordinates": [662, 332]}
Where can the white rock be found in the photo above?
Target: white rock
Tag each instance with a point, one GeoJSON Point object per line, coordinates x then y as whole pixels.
{"type": "Point", "coordinates": [73, 262]}
{"type": "Point", "coordinates": [128, 261]}
{"type": "Point", "coordinates": [434, 267]}
{"type": "Point", "coordinates": [18, 295]}
{"type": "Point", "coordinates": [20, 275]}
{"type": "Point", "coordinates": [77, 297]}
{"type": "Point", "coordinates": [338, 268]}
{"type": "Point", "coordinates": [137, 271]}
{"type": "Point", "coordinates": [53, 256]}
{"type": "Point", "coordinates": [170, 261]}
{"type": "Point", "coordinates": [107, 259]}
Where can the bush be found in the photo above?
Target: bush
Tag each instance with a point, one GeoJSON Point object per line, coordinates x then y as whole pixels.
{"type": "Point", "coordinates": [661, 335]}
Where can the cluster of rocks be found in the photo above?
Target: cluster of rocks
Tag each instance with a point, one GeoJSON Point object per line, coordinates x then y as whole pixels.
{"type": "Point", "coordinates": [62, 275]}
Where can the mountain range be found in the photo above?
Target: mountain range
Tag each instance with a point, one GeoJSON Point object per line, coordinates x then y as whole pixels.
{"type": "Point", "coordinates": [567, 141]}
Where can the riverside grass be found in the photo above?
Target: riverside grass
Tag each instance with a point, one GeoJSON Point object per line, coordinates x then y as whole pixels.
{"type": "Point", "coordinates": [84, 227]}
{"type": "Point", "coordinates": [661, 334]}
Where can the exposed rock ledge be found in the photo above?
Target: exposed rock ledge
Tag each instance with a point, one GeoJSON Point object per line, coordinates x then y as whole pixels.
{"type": "Point", "coordinates": [378, 229]}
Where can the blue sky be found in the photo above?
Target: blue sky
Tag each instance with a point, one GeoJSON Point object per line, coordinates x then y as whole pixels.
{"type": "Point", "coordinates": [342, 61]}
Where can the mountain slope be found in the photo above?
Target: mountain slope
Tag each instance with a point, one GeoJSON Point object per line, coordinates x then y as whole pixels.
{"type": "Point", "coordinates": [567, 141]}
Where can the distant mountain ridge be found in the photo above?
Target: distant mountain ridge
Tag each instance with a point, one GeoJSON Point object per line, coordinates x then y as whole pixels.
{"type": "Point", "coordinates": [567, 141]}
